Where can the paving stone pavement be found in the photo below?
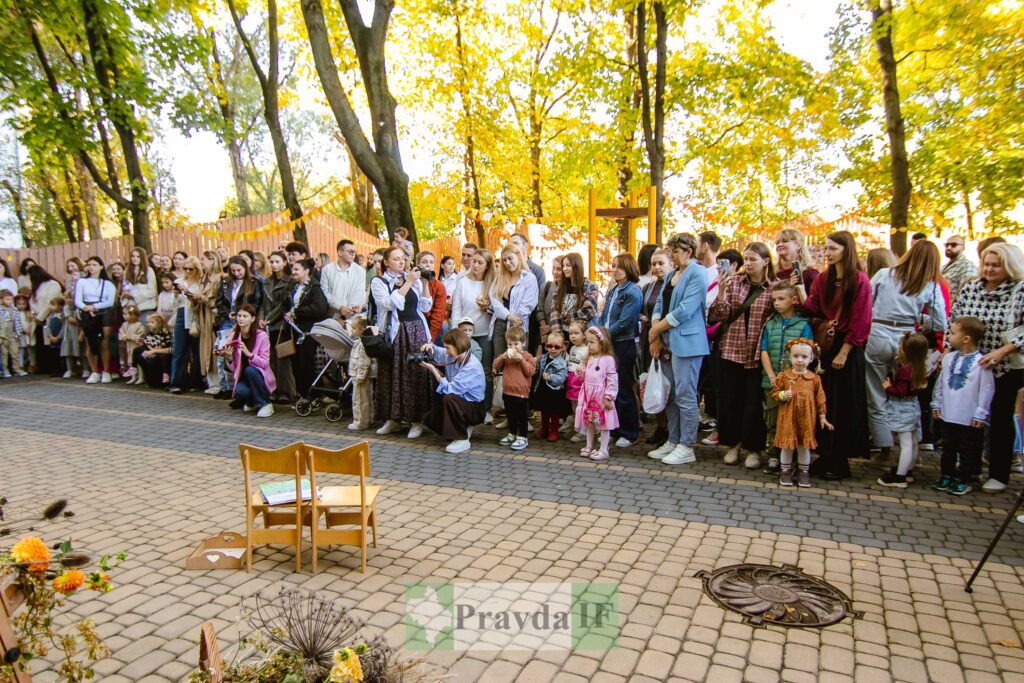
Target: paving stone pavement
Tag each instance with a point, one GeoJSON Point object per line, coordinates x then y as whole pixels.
{"type": "Point", "coordinates": [154, 474]}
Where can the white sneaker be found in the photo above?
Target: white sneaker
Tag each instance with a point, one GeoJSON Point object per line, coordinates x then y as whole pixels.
{"type": "Point", "coordinates": [265, 411]}
{"type": "Point", "coordinates": [506, 440]}
{"type": "Point", "coordinates": [623, 442]}
{"type": "Point", "coordinates": [21, 373]}
{"type": "Point", "coordinates": [248, 409]}
{"type": "Point", "coordinates": [415, 431]}
{"type": "Point", "coordinates": [460, 446]}
{"type": "Point", "coordinates": [94, 378]}
{"type": "Point", "coordinates": [354, 427]}
{"type": "Point", "coordinates": [501, 425]}
{"type": "Point", "coordinates": [212, 390]}
{"type": "Point", "coordinates": [732, 456]}
{"type": "Point", "coordinates": [389, 427]}
{"type": "Point", "coordinates": [577, 438]}
{"type": "Point", "coordinates": [993, 486]}
{"type": "Point", "coordinates": [568, 424]}
{"type": "Point", "coordinates": [67, 375]}
{"type": "Point", "coordinates": [105, 378]}
{"type": "Point", "coordinates": [86, 374]}
{"type": "Point", "coordinates": [469, 433]}
{"type": "Point", "coordinates": [680, 455]}
{"type": "Point", "coordinates": [520, 443]}
{"type": "Point", "coordinates": [662, 450]}
{"type": "Point", "coordinates": [1017, 465]}
{"type": "Point", "coordinates": [488, 419]}
{"type": "Point", "coordinates": [753, 461]}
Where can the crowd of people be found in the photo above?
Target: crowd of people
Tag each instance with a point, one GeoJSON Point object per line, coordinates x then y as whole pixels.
{"type": "Point", "coordinates": [768, 354]}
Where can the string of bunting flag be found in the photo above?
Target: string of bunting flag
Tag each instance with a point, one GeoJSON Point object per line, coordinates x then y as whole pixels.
{"type": "Point", "coordinates": [492, 218]}
{"type": "Point", "coordinates": [281, 223]}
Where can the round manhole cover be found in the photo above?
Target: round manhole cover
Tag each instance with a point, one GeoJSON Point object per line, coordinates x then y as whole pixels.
{"type": "Point", "coordinates": [778, 595]}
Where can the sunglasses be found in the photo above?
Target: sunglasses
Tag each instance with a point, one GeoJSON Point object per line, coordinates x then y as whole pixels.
{"type": "Point", "coordinates": [553, 347]}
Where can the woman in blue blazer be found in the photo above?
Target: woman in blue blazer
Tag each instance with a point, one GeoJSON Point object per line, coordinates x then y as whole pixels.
{"type": "Point", "coordinates": [621, 315]}
{"type": "Point", "coordinates": [678, 338]}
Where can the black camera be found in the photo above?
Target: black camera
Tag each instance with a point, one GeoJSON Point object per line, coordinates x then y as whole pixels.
{"type": "Point", "coordinates": [418, 357]}
{"type": "Point", "coordinates": [427, 275]}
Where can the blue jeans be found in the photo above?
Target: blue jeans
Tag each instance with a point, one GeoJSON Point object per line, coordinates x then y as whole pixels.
{"type": "Point", "coordinates": [252, 389]}
{"type": "Point", "coordinates": [681, 411]}
{"type": "Point", "coordinates": [179, 351]}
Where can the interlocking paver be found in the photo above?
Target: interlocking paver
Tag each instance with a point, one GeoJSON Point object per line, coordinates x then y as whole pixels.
{"type": "Point", "coordinates": [545, 516]}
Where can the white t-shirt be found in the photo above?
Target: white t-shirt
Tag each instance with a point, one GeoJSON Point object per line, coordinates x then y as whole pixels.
{"type": "Point", "coordinates": [712, 285]}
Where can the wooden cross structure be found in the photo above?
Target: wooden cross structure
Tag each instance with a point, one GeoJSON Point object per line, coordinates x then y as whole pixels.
{"type": "Point", "coordinates": [630, 211]}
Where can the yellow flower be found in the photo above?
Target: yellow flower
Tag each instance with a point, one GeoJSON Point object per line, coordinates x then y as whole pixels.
{"type": "Point", "coordinates": [31, 549]}
{"type": "Point", "coordinates": [69, 582]}
{"type": "Point", "coordinates": [347, 667]}
{"type": "Point", "coordinates": [99, 582]}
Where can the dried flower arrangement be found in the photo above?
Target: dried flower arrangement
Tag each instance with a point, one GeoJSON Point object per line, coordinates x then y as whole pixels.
{"type": "Point", "coordinates": [303, 637]}
{"type": "Point", "coordinates": [39, 579]}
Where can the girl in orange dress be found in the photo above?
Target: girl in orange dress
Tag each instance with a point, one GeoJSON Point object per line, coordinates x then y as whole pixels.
{"type": "Point", "coordinates": [801, 409]}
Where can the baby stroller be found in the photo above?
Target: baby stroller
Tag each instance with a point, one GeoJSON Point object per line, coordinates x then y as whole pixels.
{"type": "Point", "coordinates": [337, 344]}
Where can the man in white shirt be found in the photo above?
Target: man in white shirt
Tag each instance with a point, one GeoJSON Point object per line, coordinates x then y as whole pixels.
{"type": "Point", "coordinates": [344, 282]}
{"type": "Point", "coordinates": [707, 253]}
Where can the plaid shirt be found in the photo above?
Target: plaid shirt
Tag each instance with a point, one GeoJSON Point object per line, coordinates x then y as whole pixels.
{"type": "Point", "coordinates": [741, 341]}
{"type": "Point", "coordinates": [957, 272]}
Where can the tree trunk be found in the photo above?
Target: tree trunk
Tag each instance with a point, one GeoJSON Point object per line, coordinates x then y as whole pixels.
{"type": "Point", "coordinates": [536, 129]}
{"type": "Point", "coordinates": [969, 210]}
{"type": "Point", "coordinates": [899, 206]}
{"type": "Point", "coordinates": [121, 115]}
{"type": "Point", "coordinates": [19, 211]}
{"type": "Point", "coordinates": [653, 112]}
{"type": "Point", "coordinates": [234, 145]}
{"type": "Point", "coordinates": [88, 195]}
{"type": "Point", "coordinates": [629, 104]}
{"type": "Point", "coordinates": [471, 188]}
{"type": "Point", "coordinates": [269, 86]}
{"type": "Point", "coordinates": [381, 161]}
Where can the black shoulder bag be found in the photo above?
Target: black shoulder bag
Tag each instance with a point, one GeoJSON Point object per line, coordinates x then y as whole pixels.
{"type": "Point", "coordinates": [378, 345]}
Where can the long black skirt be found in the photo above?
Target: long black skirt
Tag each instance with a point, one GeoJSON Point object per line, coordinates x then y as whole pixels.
{"type": "Point", "coordinates": [846, 407]}
{"type": "Point", "coordinates": [451, 415]}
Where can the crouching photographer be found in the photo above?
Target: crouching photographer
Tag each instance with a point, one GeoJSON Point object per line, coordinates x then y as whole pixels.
{"type": "Point", "coordinates": [461, 387]}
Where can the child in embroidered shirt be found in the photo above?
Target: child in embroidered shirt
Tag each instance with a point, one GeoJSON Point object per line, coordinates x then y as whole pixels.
{"type": "Point", "coordinates": [961, 400]}
{"type": "Point", "coordinates": [10, 332]}
{"type": "Point", "coordinates": [903, 407]}
{"type": "Point", "coordinates": [595, 406]}
{"type": "Point", "coordinates": [53, 326]}
{"type": "Point", "coordinates": [517, 367]}
{"type": "Point", "coordinates": [548, 394]}
{"type": "Point", "coordinates": [27, 337]}
{"type": "Point", "coordinates": [574, 360]}
{"type": "Point", "coordinates": [363, 371]}
{"type": "Point", "coordinates": [782, 327]}
{"type": "Point", "coordinates": [128, 337]}
{"type": "Point", "coordinates": [801, 401]}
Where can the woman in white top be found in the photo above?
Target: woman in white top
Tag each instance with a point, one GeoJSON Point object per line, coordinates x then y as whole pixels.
{"type": "Point", "coordinates": [140, 284]}
{"type": "Point", "coordinates": [44, 290]}
{"type": "Point", "coordinates": [23, 279]}
{"type": "Point", "coordinates": [471, 300]}
{"type": "Point", "coordinates": [94, 299]}
{"type": "Point", "coordinates": [6, 281]}
{"type": "Point", "coordinates": [513, 296]}
{"type": "Point", "coordinates": [402, 392]}
{"type": "Point", "coordinates": [186, 373]}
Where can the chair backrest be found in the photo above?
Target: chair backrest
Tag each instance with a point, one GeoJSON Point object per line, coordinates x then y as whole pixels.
{"type": "Point", "coordinates": [285, 460]}
{"type": "Point", "coordinates": [351, 460]}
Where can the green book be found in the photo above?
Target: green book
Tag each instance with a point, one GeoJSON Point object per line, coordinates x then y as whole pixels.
{"type": "Point", "coordinates": [281, 492]}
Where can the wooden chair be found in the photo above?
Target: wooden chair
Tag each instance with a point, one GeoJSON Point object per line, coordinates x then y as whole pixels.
{"type": "Point", "coordinates": [290, 461]}
{"type": "Point", "coordinates": [354, 460]}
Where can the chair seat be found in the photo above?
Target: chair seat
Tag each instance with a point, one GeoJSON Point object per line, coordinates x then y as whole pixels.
{"type": "Point", "coordinates": [260, 504]}
{"type": "Point", "coordinates": [345, 496]}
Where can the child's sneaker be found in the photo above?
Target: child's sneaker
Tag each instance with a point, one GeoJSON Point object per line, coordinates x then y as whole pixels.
{"type": "Point", "coordinates": [520, 443]}
{"type": "Point", "coordinates": [803, 476]}
{"type": "Point", "coordinates": [773, 466]}
{"type": "Point", "coordinates": [786, 475]}
{"type": "Point", "coordinates": [711, 439]}
{"type": "Point", "coordinates": [21, 373]}
{"type": "Point", "coordinates": [130, 372]}
{"type": "Point", "coordinates": [893, 480]}
{"type": "Point", "coordinates": [507, 440]}
{"type": "Point", "coordinates": [958, 488]}
{"type": "Point", "coordinates": [598, 455]}
{"type": "Point", "coordinates": [942, 484]}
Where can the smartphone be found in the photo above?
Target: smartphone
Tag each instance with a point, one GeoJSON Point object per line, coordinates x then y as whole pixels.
{"type": "Point", "coordinates": [723, 265]}
{"type": "Point", "coordinates": [796, 268]}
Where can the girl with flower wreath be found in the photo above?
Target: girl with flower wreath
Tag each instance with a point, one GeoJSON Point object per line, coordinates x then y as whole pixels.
{"type": "Point", "coordinates": [801, 409]}
{"type": "Point", "coordinates": [595, 408]}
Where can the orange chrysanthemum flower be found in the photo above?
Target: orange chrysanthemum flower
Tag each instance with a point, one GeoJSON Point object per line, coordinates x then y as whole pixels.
{"type": "Point", "coordinates": [31, 549]}
{"type": "Point", "coordinates": [69, 582]}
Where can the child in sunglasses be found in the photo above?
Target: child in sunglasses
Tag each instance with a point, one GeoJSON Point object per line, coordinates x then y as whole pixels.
{"type": "Point", "coordinates": [549, 387]}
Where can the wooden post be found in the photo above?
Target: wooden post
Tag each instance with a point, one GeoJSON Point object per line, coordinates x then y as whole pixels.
{"type": "Point", "coordinates": [592, 233]}
{"type": "Point", "coordinates": [631, 227]}
{"type": "Point", "coordinates": [652, 213]}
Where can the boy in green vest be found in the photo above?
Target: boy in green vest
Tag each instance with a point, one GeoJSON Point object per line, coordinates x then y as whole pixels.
{"type": "Point", "coordinates": [782, 327]}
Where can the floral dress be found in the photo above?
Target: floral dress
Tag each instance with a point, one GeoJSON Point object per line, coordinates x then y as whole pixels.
{"type": "Point", "coordinates": [798, 417]}
{"type": "Point", "coordinates": [600, 381]}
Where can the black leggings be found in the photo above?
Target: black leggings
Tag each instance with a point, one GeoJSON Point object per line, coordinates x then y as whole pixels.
{"type": "Point", "coordinates": [741, 415]}
{"type": "Point", "coordinates": [517, 410]}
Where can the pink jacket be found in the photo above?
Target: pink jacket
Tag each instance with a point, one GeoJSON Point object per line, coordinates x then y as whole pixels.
{"type": "Point", "coordinates": [260, 360]}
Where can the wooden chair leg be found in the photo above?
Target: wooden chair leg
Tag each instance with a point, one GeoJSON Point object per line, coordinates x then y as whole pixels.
{"type": "Point", "coordinates": [373, 525]}
{"type": "Point", "coordinates": [362, 548]}
{"type": "Point", "coordinates": [312, 537]}
{"type": "Point", "coordinates": [298, 549]}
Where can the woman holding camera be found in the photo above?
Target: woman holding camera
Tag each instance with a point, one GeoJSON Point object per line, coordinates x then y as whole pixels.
{"type": "Point", "coordinates": [400, 301]}
{"type": "Point", "coordinates": [461, 388]}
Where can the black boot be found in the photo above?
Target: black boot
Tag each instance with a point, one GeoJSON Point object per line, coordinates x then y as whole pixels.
{"type": "Point", "coordinates": [659, 437]}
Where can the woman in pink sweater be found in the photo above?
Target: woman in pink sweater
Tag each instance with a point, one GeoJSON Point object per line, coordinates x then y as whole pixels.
{"type": "Point", "coordinates": [247, 354]}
